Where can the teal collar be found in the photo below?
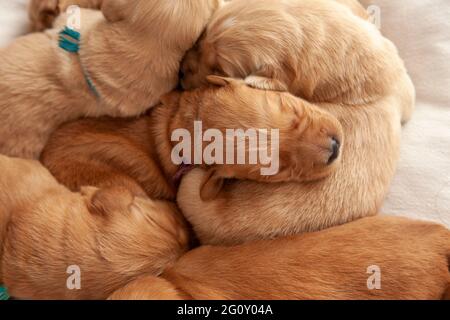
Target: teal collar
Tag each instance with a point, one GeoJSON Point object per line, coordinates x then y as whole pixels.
{"type": "Point", "coordinates": [3, 293]}
{"type": "Point", "coordinates": [69, 40]}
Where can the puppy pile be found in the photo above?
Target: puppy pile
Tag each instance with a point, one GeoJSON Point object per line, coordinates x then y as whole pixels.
{"type": "Point", "coordinates": [107, 197]}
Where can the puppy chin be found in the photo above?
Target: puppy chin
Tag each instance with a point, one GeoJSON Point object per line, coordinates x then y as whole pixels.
{"type": "Point", "coordinates": [320, 174]}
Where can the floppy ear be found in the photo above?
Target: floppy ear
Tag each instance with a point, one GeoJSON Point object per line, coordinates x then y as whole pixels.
{"type": "Point", "coordinates": [108, 200]}
{"type": "Point", "coordinates": [221, 81]}
{"type": "Point", "coordinates": [212, 185]}
{"type": "Point", "coordinates": [115, 10]}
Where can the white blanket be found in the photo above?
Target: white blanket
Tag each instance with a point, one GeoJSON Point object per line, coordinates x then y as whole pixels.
{"type": "Point", "coordinates": [420, 28]}
{"type": "Point", "coordinates": [421, 31]}
{"type": "Point", "coordinates": [13, 20]}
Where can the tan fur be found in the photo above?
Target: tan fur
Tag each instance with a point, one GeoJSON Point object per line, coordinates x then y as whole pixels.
{"type": "Point", "coordinates": [111, 235]}
{"type": "Point", "coordinates": [318, 50]}
{"type": "Point", "coordinates": [245, 210]}
{"type": "Point", "coordinates": [132, 58]}
{"type": "Point", "coordinates": [332, 264]}
{"type": "Point", "coordinates": [136, 153]}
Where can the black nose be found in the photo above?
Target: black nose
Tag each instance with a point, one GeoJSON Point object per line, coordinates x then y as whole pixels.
{"type": "Point", "coordinates": [335, 148]}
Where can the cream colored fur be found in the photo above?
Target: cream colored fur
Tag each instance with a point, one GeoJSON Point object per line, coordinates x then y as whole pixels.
{"type": "Point", "coordinates": [132, 58]}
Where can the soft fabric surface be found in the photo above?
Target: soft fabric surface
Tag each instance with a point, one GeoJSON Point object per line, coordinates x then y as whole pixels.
{"type": "Point", "coordinates": [420, 28]}
{"type": "Point", "coordinates": [13, 20]}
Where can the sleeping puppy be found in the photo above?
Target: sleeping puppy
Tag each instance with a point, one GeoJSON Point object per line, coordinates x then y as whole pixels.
{"type": "Point", "coordinates": [43, 13]}
{"type": "Point", "coordinates": [325, 53]}
{"type": "Point", "coordinates": [138, 154]}
{"type": "Point", "coordinates": [108, 235]}
{"type": "Point", "coordinates": [127, 58]}
{"type": "Point", "coordinates": [322, 52]}
{"type": "Point", "coordinates": [410, 258]}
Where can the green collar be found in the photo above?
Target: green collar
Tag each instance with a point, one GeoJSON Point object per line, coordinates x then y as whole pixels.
{"type": "Point", "coordinates": [3, 293]}
{"type": "Point", "coordinates": [69, 40]}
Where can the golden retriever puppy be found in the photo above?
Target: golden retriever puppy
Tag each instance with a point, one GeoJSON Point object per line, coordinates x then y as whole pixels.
{"type": "Point", "coordinates": [104, 238]}
{"type": "Point", "coordinates": [137, 154]}
{"type": "Point", "coordinates": [43, 13]}
{"type": "Point", "coordinates": [127, 58]}
{"type": "Point", "coordinates": [316, 49]}
{"type": "Point", "coordinates": [322, 52]}
{"type": "Point", "coordinates": [373, 258]}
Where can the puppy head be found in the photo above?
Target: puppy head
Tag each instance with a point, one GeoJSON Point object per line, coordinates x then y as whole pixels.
{"type": "Point", "coordinates": [154, 231]}
{"type": "Point", "coordinates": [309, 140]}
{"type": "Point", "coordinates": [243, 38]}
{"type": "Point", "coordinates": [177, 23]}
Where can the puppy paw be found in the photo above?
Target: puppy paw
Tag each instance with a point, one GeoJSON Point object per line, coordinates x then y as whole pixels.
{"type": "Point", "coordinates": [43, 13]}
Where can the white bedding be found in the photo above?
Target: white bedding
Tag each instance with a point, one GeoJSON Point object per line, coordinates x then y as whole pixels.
{"type": "Point", "coordinates": [421, 30]}
{"type": "Point", "coordinates": [13, 20]}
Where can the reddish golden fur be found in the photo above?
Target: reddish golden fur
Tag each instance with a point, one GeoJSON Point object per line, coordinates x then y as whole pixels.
{"type": "Point", "coordinates": [412, 256]}
{"type": "Point", "coordinates": [136, 154]}
{"type": "Point", "coordinates": [111, 235]}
